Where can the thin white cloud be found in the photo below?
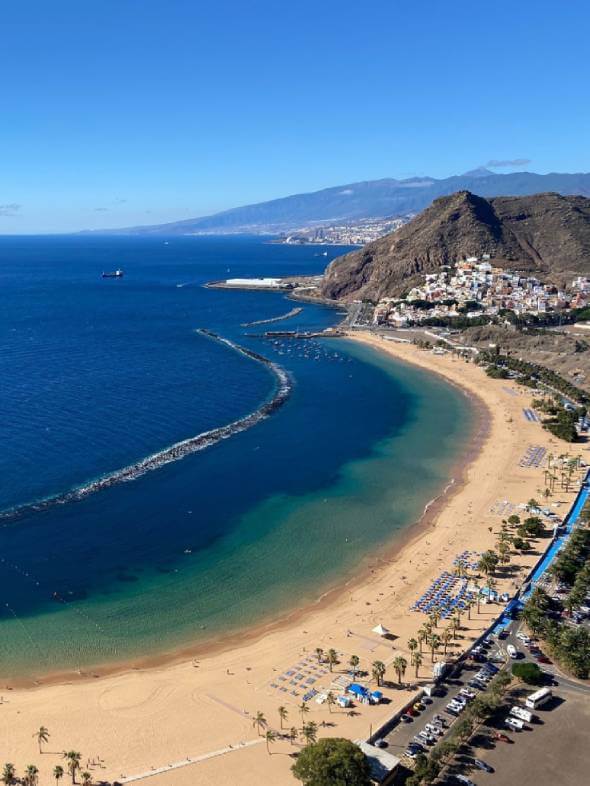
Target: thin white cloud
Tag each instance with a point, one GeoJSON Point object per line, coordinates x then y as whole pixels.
{"type": "Point", "coordinates": [500, 164]}
{"type": "Point", "coordinates": [9, 209]}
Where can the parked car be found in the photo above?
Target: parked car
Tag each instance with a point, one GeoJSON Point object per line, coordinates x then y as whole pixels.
{"type": "Point", "coordinates": [381, 743]}
{"type": "Point", "coordinates": [405, 718]}
{"type": "Point", "coordinates": [464, 780]}
{"type": "Point", "coordinates": [502, 737]}
{"type": "Point", "coordinates": [482, 765]}
{"type": "Point", "coordinates": [475, 683]}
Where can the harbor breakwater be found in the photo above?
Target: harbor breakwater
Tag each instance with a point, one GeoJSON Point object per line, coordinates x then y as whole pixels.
{"type": "Point", "coordinates": [288, 315]}
{"type": "Point", "coordinates": [178, 450]}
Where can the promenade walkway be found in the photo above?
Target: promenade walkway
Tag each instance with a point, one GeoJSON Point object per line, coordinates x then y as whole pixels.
{"type": "Point", "coordinates": [188, 761]}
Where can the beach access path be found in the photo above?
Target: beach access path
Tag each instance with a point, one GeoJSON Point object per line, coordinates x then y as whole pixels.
{"type": "Point", "coordinates": [151, 715]}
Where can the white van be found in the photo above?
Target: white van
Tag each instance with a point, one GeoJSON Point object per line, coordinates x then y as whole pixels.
{"type": "Point", "coordinates": [514, 723]}
{"type": "Point", "coordinates": [512, 651]}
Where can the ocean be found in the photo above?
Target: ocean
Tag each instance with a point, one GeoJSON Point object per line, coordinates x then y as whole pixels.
{"type": "Point", "coordinates": [98, 374]}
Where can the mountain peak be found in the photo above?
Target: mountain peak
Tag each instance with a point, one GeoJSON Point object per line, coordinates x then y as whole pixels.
{"type": "Point", "coordinates": [545, 233]}
{"type": "Point", "coordinates": [480, 171]}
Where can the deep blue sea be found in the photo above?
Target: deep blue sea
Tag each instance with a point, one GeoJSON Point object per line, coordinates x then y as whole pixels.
{"type": "Point", "coordinates": [99, 373]}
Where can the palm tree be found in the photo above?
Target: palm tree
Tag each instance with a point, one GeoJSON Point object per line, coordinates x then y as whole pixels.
{"type": "Point", "coordinates": [460, 569]}
{"type": "Point", "coordinates": [416, 661]}
{"type": "Point", "coordinates": [303, 709]}
{"type": "Point", "coordinates": [319, 653]}
{"type": "Point", "coordinates": [400, 664]}
{"type": "Point", "coordinates": [259, 722]}
{"type": "Point", "coordinates": [422, 636]}
{"type": "Point", "coordinates": [293, 734]}
{"type": "Point", "coordinates": [31, 775]}
{"type": "Point", "coordinates": [470, 604]}
{"type": "Point", "coordinates": [412, 645]}
{"type": "Point", "coordinates": [332, 658]}
{"type": "Point", "coordinates": [269, 738]}
{"type": "Point", "coordinates": [434, 617]}
{"type": "Point", "coordinates": [354, 662]}
{"type": "Point", "coordinates": [42, 737]}
{"type": "Point", "coordinates": [378, 671]}
{"type": "Point", "coordinates": [477, 593]}
{"type": "Point", "coordinates": [58, 773]}
{"type": "Point", "coordinates": [504, 552]}
{"type": "Point", "coordinates": [446, 637]}
{"type": "Point", "coordinates": [73, 758]}
{"type": "Point", "coordinates": [310, 732]}
{"type": "Point", "coordinates": [86, 778]}
{"type": "Point", "coordinates": [283, 715]}
{"type": "Point", "coordinates": [488, 562]}
{"type": "Point", "coordinates": [8, 774]}
{"type": "Point", "coordinates": [330, 700]}
{"type": "Point", "coordinates": [434, 645]}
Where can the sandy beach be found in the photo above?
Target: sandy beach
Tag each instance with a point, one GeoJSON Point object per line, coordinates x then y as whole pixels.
{"type": "Point", "coordinates": [201, 707]}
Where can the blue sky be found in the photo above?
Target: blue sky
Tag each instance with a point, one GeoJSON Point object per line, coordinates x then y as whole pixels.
{"type": "Point", "coordinates": [121, 112]}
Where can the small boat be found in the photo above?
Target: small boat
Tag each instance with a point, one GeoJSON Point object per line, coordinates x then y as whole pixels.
{"type": "Point", "coordinates": [114, 274]}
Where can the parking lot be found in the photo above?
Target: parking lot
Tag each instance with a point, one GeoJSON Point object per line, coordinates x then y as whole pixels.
{"type": "Point", "coordinates": [402, 735]}
{"type": "Point", "coordinates": [553, 751]}
{"type": "Point", "coordinates": [550, 750]}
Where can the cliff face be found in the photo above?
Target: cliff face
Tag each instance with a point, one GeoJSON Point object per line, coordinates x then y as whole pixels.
{"type": "Point", "coordinates": [546, 233]}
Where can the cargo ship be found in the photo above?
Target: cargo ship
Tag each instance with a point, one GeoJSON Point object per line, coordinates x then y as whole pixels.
{"type": "Point", "coordinates": [114, 274]}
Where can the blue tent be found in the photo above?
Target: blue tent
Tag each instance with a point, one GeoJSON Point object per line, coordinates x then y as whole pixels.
{"type": "Point", "coordinates": [357, 690]}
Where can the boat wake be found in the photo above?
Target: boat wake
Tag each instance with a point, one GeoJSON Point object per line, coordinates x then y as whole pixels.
{"type": "Point", "coordinates": [176, 451]}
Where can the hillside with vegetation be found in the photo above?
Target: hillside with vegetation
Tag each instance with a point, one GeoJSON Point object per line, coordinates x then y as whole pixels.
{"type": "Point", "coordinates": [546, 234]}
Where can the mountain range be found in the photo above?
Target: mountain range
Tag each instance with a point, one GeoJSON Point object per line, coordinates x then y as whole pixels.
{"type": "Point", "coordinates": [370, 199]}
{"type": "Point", "coordinates": [548, 234]}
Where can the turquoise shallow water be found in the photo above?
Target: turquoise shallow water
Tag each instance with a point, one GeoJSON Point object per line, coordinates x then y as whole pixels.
{"type": "Point", "coordinates": [256, 525]}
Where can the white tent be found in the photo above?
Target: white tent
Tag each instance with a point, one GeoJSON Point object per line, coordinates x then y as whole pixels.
{"type": "Point", "coordinates": [380, 630]}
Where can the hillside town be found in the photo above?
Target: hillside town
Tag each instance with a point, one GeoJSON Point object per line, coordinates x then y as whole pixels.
{"type": "Point", "coordinates": [474, 288]}
{"type": "Point", "coordinates": [346, 233]}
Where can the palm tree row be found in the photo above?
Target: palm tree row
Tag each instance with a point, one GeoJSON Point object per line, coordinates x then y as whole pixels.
{"type": "Point", "coordinates": [309, 731]}
{"type": "Point", "coordinates": [31, 775]}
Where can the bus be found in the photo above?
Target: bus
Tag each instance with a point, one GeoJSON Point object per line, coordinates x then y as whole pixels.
{"type": "Point", "coordinates": [538, 698]}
